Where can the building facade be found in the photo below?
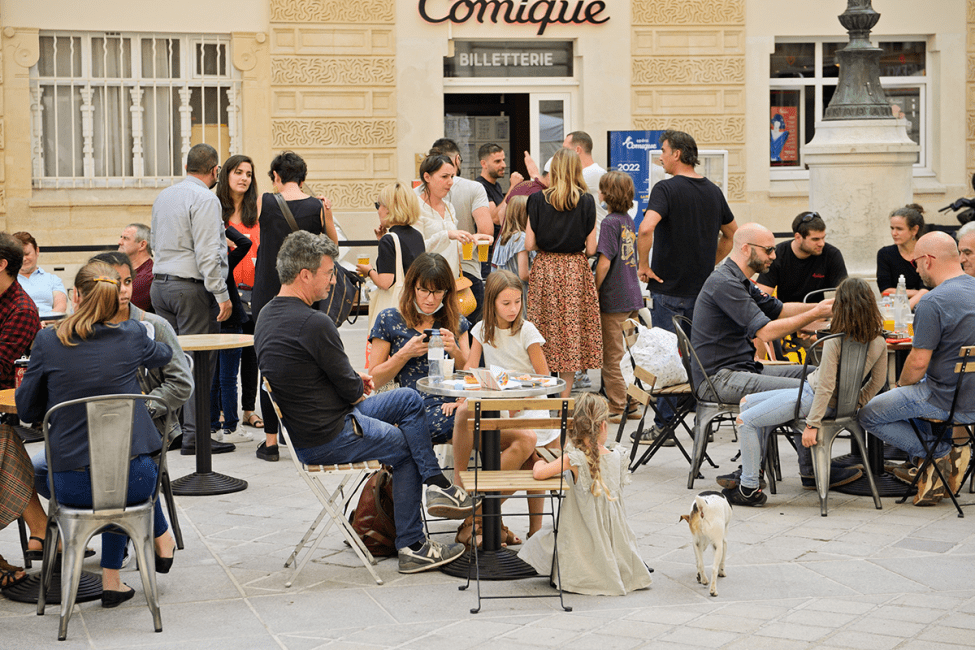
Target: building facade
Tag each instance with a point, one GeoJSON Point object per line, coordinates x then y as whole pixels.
{"type": "Point", "coordinates": [100, 101]}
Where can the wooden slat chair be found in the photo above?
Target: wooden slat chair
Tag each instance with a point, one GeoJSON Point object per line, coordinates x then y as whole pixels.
{"type": "Point", "coordinates": [944, 428]}
{"type": "Point", "coordinates": [334, 503]}
{"type": "Point", "coordinates": [484, 415]}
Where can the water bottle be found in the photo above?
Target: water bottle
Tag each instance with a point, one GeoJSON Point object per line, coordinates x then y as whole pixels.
{"type": "Point", "coordinates": [435, 357]}
{"type": "Point", "coordinates": [902, 307]}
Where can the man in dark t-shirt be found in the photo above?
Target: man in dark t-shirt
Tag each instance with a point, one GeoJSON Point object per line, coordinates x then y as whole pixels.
{"type": "Point", "coordinates": [690, 227]}
{"type": "Point", "coordinates": [805, 263]}
{"type": "Point", "coordinates": [324, 405]}
{"type": "Point", "coordinates": [492, 169]}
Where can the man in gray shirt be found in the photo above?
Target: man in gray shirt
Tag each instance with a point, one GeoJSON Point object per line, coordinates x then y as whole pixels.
{"type": "Point", "coordinates": [189, 287]}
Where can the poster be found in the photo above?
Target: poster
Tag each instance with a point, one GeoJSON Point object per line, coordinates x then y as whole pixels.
{"type": "Point", "coordinates": [634, 152]}
{"type": "Point", "coordinates": [784, 136]}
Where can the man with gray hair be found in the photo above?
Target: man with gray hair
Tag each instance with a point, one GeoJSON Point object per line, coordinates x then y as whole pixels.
{"type": "Point", "coordinates": [324, 402]}
{"type": "Point", "coordinates": [966, 247]}
{"type": "Point", "coordinates": [134, 242]}
{"type": "Point", "coordinates": [189, 284]}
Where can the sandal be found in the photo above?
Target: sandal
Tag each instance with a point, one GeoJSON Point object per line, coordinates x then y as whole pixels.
{"type": "Point", "coordinates": [254, 421]}
{"type": "Point", "coordinates": [38, 554]}
{"type": "Point", "coordinates": [466, 531]}
{"type": "Point", "coordinates": [8, 574]}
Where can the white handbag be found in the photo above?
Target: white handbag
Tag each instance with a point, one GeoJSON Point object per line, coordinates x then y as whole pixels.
{"type": "Point", "coordinates": [380, 299]}
{"type": "Point", "coordinates": [656, 351]}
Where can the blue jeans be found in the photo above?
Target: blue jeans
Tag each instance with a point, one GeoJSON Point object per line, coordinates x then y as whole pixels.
{"type": "Point", "coordinates": [661, 315]}
{"type": "Point", "coordinates": [394, 432]}
{"type": "Point", "coordinates": [74, 489]}
{"type": "Point", "coordinates": [761, 413]}
{"type": "Point", "coordinates": [223, 391]}
{"type": "Point", "coordinates": [887, 416]}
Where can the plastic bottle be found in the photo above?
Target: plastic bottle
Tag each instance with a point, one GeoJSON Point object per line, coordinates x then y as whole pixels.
{"type": "Point", "coordinates": [435, 358]}
{"type": "Point", "coordinates": [902, 307]}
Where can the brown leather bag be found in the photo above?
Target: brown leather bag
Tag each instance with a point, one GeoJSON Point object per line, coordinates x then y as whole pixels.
{"type": "Point", "coordinates": [373, 519]}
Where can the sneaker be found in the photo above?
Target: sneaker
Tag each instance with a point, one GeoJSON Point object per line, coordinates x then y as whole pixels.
{"type": "Point", "coordinates": [216, 435]}
{"type": "Point", "coordinates": [733, 480]}
{"type": "Point", "coordinates": [269, 454]}
{"type": "Point", "coordinates": [649, 435]}
{"type": "Point", "coordinates": [451, 503]}
{"type": "Point", "coordinates": [237, 436]}
{"type": "Point", "coordinates": [904, 472]}
{"type": "Point", "coordinates": [616, 418]}
{"type": "Point", "coordinates": [930, 489]}
{"type": "Point", "coordinates": [581, 380]}
{"type": "Point", "coordinates": [959, 458]}
{"type": "Point", "coordinates": [838, 476]}
{"type": "Point", "coordinates": [431, 555]}
{"type": "Point", "coordinates": [742, 496]}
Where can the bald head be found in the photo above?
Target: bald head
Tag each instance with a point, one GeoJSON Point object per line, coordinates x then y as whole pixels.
{"type": "Point", "coordinates": [753, 233]}
{"type": "Point", "coordinates": [936, 258]}
{"type": "Point", "coordinates": [753, 249]}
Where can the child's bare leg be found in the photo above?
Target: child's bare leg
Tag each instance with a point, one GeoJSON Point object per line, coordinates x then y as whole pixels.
{"type": "Point", "coordinates": [463, 442]}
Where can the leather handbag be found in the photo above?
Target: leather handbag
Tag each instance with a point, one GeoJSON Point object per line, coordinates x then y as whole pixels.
{"type": "Point", "coordinates": [372, 518]}
{"type": "Point", "coordinates": [465, 297]}
{"type": "Point", "coordinates": [345, 295]}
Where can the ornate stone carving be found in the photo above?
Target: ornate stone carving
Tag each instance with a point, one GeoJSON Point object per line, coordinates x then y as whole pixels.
{"type": "Point", "coordinates": [707, 131]}
{"type": "Point", "coordinates": [26, 44]}
{"type": "Point", "coordinates": [3, 201]}
{"type": "Point", "coordinates": [333, 11]}
{"type": "Point", "coordinates": [3, 138]}
{"type": "Point", "coordinates": [736, 187]}
{"type": "Point", "coordinates": [333, 133]}
{"type": "Point", "coordinates": [245, 48]}
{"type": "Point", "coordinates": [971, 69]}
{"type": "Point", "coordinates": [324, 71]}
{"type": "Point", "coordinates": [971, 11]}
{"type": "Point", "coordinates": [971, 126]}
{"type": "Point", "coordinates": [350, 195]}
{"type": "Point", "coordinates": [704, 70]}
{"type": "Point", "coordinates": [689, 12]}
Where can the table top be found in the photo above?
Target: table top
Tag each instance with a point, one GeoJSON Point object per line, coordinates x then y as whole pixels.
{"type": "Point", "coordinates": [7, 404]}
{"type": "Point", "coordinates": [197, 342]}
{"type": "Point", "coordinates": [424, 386]}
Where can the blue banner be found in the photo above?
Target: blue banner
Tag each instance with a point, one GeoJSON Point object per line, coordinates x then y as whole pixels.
{"type": "Point", "coordinates": [632, 152]}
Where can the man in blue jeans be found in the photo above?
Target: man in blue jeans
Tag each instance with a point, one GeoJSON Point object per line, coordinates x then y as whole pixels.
{"type": "Point", "coordinates": [689, 226]}
{"type": "Point", "coordinates": [944, 321]}
{"type": "Point", "coordinates": [324, 402]}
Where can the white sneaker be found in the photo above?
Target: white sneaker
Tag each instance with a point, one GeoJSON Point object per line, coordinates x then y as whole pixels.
{"type": "Point", "coordinates": [581, 380]}
{"type": "Point", "coordinates": [237, 436]}
{"type": "Point", "coordinates": [216, 435]}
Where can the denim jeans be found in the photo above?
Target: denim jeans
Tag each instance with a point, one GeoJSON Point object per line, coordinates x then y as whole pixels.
{"type": "Point", "coordinates": [887, 416]}
{"type": "Point", "coordinates": [733, 385]}
{"type": "Point", "coordinates": [74, 489]}
{"type": "Point", "coordinates": [761, 413]}
{"type": "Point", "coordinates": [223, 391]}
{"type": "Point", "coordinates": [661, 315]}
{"type": "Point", "coordinates": [394, 432]}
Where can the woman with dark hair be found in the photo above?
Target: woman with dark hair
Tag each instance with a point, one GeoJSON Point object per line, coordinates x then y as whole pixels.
{"type": "Point", "coordinates": [562, 299]}
{"type": "Point", "coordinates": [855, 313]}
{"type": "Point", "coordinates": [287, 175]}
{"type": "Point", "coordinates": [80, 358]}
{"type": "Point", "coordinates": [438, 219]}
{"type": "Point", "coordinates": [906, 226]}
{"type": "Point", "coordinates": [399, 348]}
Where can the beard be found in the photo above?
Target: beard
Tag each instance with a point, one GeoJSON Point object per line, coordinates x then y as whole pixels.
{"type": "Point", "coordinates": [757, 265]}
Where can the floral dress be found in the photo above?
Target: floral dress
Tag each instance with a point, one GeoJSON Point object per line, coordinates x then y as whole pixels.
{"type": "Point", "coordinates": [392, 328]}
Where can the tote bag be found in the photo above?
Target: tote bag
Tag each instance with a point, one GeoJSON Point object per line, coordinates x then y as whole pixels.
{"type": "Point", "coordinates": [380, 299]}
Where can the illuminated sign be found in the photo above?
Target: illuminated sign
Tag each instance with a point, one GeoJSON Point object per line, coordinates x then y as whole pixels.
{"type": "Point", "coordinates": [521, 12]}
{"type": "Point", "coordinates": [509, 58]}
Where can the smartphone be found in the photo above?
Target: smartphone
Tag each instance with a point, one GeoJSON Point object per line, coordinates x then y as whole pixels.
{"type": "Point", "coordinates": [429, 333]}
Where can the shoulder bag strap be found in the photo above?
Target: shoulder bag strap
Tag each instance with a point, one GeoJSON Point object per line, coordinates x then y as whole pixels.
{"type": "Point", "coordinates": [286, 211]}
{"type": "Point", "coordinates": [398, 271]}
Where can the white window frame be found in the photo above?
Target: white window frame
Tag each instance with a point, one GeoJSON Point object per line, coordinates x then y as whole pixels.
{"type": "Point", "coordinates": [924, 83]}
{"type": "Point", "coordinates": [84, 115]}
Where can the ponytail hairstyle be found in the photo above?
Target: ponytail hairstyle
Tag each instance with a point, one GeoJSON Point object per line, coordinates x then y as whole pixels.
{"type": "Point", "coordinates": [515, 218]}
{"type": "Point", "coordinates": [97, 284]}
{"type": "Point", "coordinates": [498, 281]}
{"type": "Point", "coordinates": [590, 412]}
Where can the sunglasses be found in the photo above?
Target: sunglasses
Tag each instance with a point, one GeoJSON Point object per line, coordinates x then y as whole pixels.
{"type": "Point", "coordinates": [920, 257]}
{"type": "Point", "coordinates": [809, 216]}
{"type": "Point", "coordinates": [768, 249]}
{"type": "Point", "coordinates": [377, 204]}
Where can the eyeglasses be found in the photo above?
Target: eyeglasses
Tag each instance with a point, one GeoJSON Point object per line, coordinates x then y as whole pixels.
{"type": "Point", "coordinates": [377, 204]}
{"type": "Point", "coordinates": [921, 257]}
{"type": "Point", "coordinates": [436, 294]}
{"type": "Point", "coordinates": [768, 249]}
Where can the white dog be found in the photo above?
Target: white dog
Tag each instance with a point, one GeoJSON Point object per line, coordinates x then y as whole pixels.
{"type": "Point", "coordinates": [709, 520]}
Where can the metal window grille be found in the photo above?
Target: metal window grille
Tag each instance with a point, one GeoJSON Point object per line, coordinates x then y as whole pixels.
{"type": "Point", "coordinates": [120, 109]}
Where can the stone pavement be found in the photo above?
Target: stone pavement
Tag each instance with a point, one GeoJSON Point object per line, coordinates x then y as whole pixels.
{"type": "Point", "coordinates": [900, 577]}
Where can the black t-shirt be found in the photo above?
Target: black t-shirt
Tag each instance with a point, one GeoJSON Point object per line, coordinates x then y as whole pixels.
{"type": "Point", "coordinates": [494, 193]}
{"type": "Point", "coordinates": [685, 242]}
{"type": "Point", "coordinates": [410, 244]}
{"type": "Point", "coordinates": [300, 352]}
{"type": "Point", "coordinates": [561, 232]}
{"type": "Point", "coordinates": [794, 278]}
{"type": "Point", "coordinates": [890, 266]}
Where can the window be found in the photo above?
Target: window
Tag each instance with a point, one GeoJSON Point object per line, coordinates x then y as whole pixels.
{"type": "Point", "coordinates": [803, 77]}
{"type": "Point", "coordinates": [117, 109]}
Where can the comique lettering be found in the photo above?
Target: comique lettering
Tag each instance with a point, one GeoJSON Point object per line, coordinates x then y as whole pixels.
{"type": "Point", "coordinates": [540, 12]}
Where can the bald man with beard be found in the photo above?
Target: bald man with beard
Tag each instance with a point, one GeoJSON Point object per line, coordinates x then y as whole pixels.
{"type": "Point", "coordinates": [943, 322]}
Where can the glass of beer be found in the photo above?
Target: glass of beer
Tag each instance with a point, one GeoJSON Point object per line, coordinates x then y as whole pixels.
{"type": "Point", "coordinates": [468, 250]}
{"type": "Point", "coordinates": [362, 259]}
{"type": "Point", "coordinates": [482, 250]}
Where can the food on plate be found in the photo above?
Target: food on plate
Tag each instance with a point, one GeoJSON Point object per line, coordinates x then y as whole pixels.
{"type": "Point", "coordinates": [470, 380]}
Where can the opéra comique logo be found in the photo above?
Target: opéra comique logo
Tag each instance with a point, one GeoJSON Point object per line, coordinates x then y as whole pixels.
{"type": "Point", "coordinates": [540, 12]}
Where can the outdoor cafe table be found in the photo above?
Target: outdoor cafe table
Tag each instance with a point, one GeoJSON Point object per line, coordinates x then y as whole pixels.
{"type": "Point", "coordinates": [204, 481]}
{"type": "Point", "coordinates": [495, 562]}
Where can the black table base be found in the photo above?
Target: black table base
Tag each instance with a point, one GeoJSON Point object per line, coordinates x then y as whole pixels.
{"type": "Point", "coordinates": [205, 484]}
{"type": "Point", "coordinates": [502, 564]}
{"type": "Point", "coordinates": [89, 588]}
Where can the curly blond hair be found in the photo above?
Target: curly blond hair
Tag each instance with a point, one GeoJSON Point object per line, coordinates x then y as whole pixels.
{"type": "Point", "coordinates": [590, 412]}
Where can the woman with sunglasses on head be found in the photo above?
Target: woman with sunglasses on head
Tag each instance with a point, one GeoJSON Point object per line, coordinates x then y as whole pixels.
{"type": "Point", "coordinates": [287, 173]}
{"type": "Point", "coordinates": [438, 219]}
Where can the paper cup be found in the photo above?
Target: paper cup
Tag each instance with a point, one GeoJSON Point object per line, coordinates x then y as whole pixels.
{"type": "Point", "coordinates": [447, 365]}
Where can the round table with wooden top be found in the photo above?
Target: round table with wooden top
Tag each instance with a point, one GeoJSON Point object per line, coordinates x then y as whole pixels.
{"type": "Point", "coordinates": [496, 562]}
{"type": "Point", "coordinates": [204, 481]}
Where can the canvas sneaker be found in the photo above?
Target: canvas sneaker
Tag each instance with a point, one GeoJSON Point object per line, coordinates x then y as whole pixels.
{"type": "Point", "coordinates": [930, 489]}
{"type": "Point", "coordinates": [237, 436]}
{"type": "Point", "coordinates": [581, 380]}
{"type": "Point", "coordinates": [450, 503]}
{"type": "Point", "coordinates": [431, 555]}
{"type": "Point", "coordinates": [742, 496]}
{"type": "Point", "coordinates": [959, 457]}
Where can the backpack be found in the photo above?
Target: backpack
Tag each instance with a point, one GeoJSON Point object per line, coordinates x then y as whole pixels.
{"type": "Point", "coordinates": [372, 518]}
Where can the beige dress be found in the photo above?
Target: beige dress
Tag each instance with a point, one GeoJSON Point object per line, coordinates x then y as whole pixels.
{"type": "Point", "coordinates": [597, 548]}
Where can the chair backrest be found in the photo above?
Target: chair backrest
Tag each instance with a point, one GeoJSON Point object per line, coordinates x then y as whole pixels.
{"type": "Point", "coordinates": [110, 420]}
{"type": "Point", "coordinates": [966, 365]}
{"type": "Point", "coordinates": [819, 294]}
{"type": "Point", "coordinates": [688, 356]}
{"type": "Point", "coordinates": [849, 373]}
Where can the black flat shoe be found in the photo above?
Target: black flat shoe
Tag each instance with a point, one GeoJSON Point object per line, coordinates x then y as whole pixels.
{"type": "Point", "coordinates": [38, 554]}
{"type": "Point", "coordinates": [163, 564]}
{"type": "Point", "coordinates": [115, 598]}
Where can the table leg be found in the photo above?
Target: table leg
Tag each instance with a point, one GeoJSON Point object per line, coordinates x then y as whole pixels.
{"type": "Point", "coordinates": [204, 481]}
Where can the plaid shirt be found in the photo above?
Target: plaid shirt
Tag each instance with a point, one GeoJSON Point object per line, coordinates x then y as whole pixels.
{"type": "Point", "coordinates": [18, 325]}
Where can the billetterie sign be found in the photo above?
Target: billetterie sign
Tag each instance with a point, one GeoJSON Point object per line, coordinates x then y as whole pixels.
{"type": "Point", "coordinates": [519, 12]}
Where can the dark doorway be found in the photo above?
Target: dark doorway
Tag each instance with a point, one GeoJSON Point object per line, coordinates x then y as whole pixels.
{"type": "Point", "coordinates": [504, 121]}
